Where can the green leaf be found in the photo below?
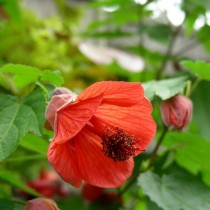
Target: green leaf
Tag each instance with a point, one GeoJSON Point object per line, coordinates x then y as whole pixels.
{"type": "Point", "coordinates": [165, 88]}
{"type": "Point", "coordinates": [11, 179]}
{"type": "Point", "coordinates": [37, 102]}
{"type": "Point", "coordinates": [18, 118]}
{"type": "Point", "coordinates": [200, 68]}
{"type": "Point", "coordinates": [34, 143]}
{"type": "Point", "coordinates": [6, 204]}
{"type": "Point", "coordinates": [201, 112]}
{"type": "Point", "coordinates": [52, 77]}
{"type": "Point", "coordinates": [19, 79]}
{"type": "Point", "coordinates": [21, 75]}
{"type": "Point", "coordinates": [4, 83]}
{"type": "Point", "coordinates": [177, 191]}
{"type": "Point", "coordinates": [191, 152]}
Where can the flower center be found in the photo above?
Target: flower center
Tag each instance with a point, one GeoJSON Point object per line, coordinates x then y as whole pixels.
{"type": "Point", "coordinates": [117, 144]}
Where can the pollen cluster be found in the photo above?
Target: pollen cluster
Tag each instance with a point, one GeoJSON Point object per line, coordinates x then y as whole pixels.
{"type": "Point", "coordinates": [118, 144]}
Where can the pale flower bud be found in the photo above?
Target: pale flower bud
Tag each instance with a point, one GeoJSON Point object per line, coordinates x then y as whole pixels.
{"type": "Point", "coordinates": [60, 97]}
{"type": "Point", "coordinates": [41, 204]}
{"type": "Point", "coordinates": [61, 90]}
{"type": "Point", "coordinates": [176, 111]}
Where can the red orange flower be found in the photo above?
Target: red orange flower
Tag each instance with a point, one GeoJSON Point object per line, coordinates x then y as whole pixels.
{"type": "Point", "coordinates": [98, 134]}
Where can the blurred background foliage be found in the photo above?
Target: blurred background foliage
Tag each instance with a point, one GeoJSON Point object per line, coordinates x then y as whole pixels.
{"type": "Point", "coordinates": [88, 41]}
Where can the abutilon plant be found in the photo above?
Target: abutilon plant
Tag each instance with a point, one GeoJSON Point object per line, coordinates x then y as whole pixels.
{"type": "Point", "coordinates": [98, 132]}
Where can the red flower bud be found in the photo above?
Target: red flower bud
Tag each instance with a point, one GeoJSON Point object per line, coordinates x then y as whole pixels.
{"type": "Point", "coordinates": [176, 111]}
{"type": "Point", "coordinates": [42, 204]}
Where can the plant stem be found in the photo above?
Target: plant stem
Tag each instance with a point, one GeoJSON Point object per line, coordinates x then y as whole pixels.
{"type": "Point", "coordinates": [44, 89]}
{"type": "Point", "coordinates": [132, 181]}
{"type": "Point", "coordinates": [195, 84]}
{"type": "Point", "coordinates": [160, 140]}
{"type": "Point", "coordinates": [188, 88]}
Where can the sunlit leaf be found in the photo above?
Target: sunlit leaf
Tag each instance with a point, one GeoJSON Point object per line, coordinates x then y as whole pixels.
{"type": "Point", "coordinates": [165, 88]}
{"type": "Point", "coordinates": [51, 77]}
{"type": "Point", "coordinates": [200, 68]}
{"type": "Point", "coordinates": [175, 191]}
{"type": "Point", "coordinates": [21, 75]}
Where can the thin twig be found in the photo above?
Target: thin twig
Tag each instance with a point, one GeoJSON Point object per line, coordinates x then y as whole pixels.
{"type": "Point", "coordinates": [195, 84]}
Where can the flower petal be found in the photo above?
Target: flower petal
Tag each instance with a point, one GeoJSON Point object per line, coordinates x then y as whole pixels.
{"type": "Point", "coordinates": [135, 120]}
{"type": "Point", "coordinates": [96, 168]}
{"type": "Point", "coordinates": [63, 159]}
{"type": "Point", "coordinates": [72, 117]}
{"type": "Point", "coordinates": [118, 93]}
